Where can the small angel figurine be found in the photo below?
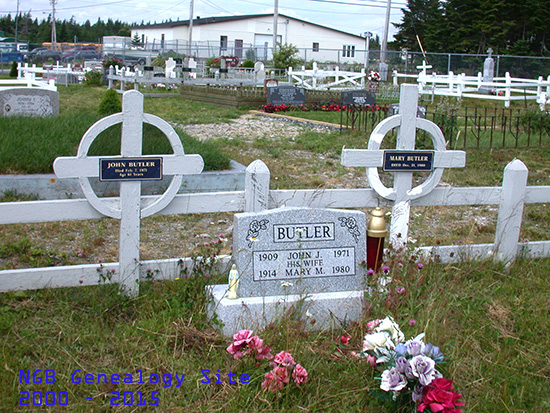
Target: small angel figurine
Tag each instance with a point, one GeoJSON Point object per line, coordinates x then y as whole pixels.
{"type": "Point", "coordinates": [233, 282]}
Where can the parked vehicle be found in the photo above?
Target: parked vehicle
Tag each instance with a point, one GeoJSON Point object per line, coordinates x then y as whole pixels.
{"type": "Point", "coordinates": [84, 55]}
{"type": "Point", "coordinates": [49, 55]}
{"type": "Point", "coordinates": [68, 55]}
{"type": "Point", "coordinates": [29, 56]}
{"type": "Point", "coordinates": [9, 54]}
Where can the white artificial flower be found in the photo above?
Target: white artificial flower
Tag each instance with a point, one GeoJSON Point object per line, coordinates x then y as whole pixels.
{"type": "Point", "coordinates": [378, 339]}
{"type": "Point", "coordinates": [392, 328]}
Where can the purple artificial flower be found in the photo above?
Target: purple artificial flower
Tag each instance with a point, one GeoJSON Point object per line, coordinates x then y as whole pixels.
{"type": "Point", "coordinates": [414, 347]}
{"type": "Point", "coordinates": [433, 352]}
{"type": "Point", "coordinates": [392, 380]}
{"type": "Point", "coordinates": [420, 265]}
{"type": "Point", "coordinates": [401, 349]}
{"type": "Point", "coordinates": [401, 364]}
{"type": "Point", "coordinates": [417, 393]}
{"type": "Point", "coordinates": [423, 368]}
{"type": "Point", "coordinates": [386, 268]}
{"type": "Point", "coordinates": [400, 290]}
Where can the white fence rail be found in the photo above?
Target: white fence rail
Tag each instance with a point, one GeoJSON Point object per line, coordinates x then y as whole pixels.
{"type": "Point", "coordinates": [29, 81]}
{"type": "Point", "coordinates": [326, 79]}
{"type": "Point", "coordinates": [257, 196]}
{"type": "Point", "coordinates": [504, 89]}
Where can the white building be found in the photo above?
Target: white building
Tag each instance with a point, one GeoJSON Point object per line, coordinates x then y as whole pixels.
{"type": "Point", "coordinates": [251, 36]}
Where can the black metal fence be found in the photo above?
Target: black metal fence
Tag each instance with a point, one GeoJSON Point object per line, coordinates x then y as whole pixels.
{"type": "Point", "coordinates": [469, 127]}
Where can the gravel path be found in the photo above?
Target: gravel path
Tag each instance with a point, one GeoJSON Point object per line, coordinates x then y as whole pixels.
{"type": "Point", "coordinates": [250, 126]}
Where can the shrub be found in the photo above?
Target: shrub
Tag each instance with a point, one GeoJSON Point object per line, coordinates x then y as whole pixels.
{"type": "Point", "coordinates": [13, 70]}
{"type": "Point", "coordinates": [214, 62]}
{"type": "Point", "coordinates": [284, 56]}
{"type": "Point", "coordinates": [110, 103]}
{"type": "Point", "coordinates": [94, 78]}
{"type": "Point", "coordinates": [248, 63]}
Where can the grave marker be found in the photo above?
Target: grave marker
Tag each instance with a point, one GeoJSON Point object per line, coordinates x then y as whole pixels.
{"type": "Point", "coordinates": [358, 97]}
{"type": "Point", "coordinates": [407, 122]}
{"type": "Point", "coordinates": [28, 101]}
{"type": "Point", "coordinates": [286, 95]}
{"type": "Point", "coordinates": [316, 250]}
{"type": "Point", "coordinates": [128, 207]}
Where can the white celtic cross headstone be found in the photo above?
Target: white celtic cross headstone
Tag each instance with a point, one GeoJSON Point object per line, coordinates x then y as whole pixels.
{"type": "Point", "coordinates": [129, 168]}
{"type": "Point", "coordinates": [404, 161]}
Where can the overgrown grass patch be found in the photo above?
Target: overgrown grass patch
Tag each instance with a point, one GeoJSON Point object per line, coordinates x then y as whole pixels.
{"type": "Point", "coordinates": [492, 325]}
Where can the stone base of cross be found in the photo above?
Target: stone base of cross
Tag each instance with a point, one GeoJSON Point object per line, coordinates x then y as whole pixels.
{"type": "Point", "coordinates": [404, 161]}
{"type": "Point", "coordinates": [129, 168]}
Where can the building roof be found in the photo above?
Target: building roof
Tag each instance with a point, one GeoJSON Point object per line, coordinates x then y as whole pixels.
{"type": "Point", "coordinates": [221, 19]}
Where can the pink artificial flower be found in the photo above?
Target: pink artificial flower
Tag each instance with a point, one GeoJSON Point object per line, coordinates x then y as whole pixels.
{"type": "Point", "coordinates": [412, 322]}
{"type": "Point", "coordinates": [344, 340]}
{"type": "Point", "coordinates": [284, 358]}
{"type": "Point", "coordinates": [276, 379]}
{"type": "Point", "coordinates": [241, 339]}
{"type": "Point", "coordinates": [400, 290]}
{"type": "Point", "coordinates": [299, 375]}
{"type": "Point", "coordinates": [371, 361]}
{"type": "Point", "coordinates": [371, 325]}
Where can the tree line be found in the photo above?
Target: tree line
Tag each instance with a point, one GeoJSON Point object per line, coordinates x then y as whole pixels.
{"type": "Point", "coordinates": [512, 27]}
{"type": "Point", "coordinates": [37, 32]}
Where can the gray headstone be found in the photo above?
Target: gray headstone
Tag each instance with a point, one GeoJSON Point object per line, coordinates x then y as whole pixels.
{"type": "Point", "coordinates": [488, 72]}
{"type": "Point", "coordinates": [299, 251]}
{"type": "Point", "coordinates": [286, 95]}
{"type": "Point", "coordinates": [29, 102]}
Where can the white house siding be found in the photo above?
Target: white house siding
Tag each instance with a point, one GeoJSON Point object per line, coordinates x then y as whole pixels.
{"type": "Point", "coordinates": [258, 29]}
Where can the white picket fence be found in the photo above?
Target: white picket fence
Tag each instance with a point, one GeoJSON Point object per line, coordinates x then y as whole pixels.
{"type": "Point", "coordinates": [256, 196]}
{"type": "Point", "coordinates": [28, 81]}
{"type": "Point", "coordinates": [505, 88]}
{"type": "Point", "coordinates": [319, 79]}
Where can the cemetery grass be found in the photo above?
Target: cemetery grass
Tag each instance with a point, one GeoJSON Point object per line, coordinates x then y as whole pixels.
{"type": "Point", "coordinates": [491, 323]}
{"type": "Point", "coordinates": [30, 145]}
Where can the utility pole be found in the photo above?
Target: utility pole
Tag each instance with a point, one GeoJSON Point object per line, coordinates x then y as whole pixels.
{"type": "Point", "coordinates": [383, 65]}
{"type": "Point", "coordinates": [275, 22]}
{"type": "Point", "coordinates": [190, 28]}
{"type": "Point", "coordinates": [54, 35]}
{"type": "Point", "coordinates": [16, 21]}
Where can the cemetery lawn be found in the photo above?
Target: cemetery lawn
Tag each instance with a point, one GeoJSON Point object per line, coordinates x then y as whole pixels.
{"type": "Point", "coordinates": [492, 323]}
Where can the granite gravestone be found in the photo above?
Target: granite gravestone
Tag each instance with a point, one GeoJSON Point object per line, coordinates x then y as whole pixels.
{"type": "Point", "coordinates": [286, 95]}
{"type": "Point", "coordinates": [358, 97]}
{"type": "Point", "coordinates": [29, 102]}
{"type": "Point", "coordinates": [488, 72]}
{"type": "Point", "coordinates": [299, 251]}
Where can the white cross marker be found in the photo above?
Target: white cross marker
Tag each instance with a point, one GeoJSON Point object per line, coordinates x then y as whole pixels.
{"type": "Point", "coordinates": [403, 192]}
{"type": "Point", "coordinates": [128, 208]}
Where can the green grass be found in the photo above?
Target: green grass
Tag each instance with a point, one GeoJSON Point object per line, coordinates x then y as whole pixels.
{"type": "Point", "coordinates": [492, 325]}
{"type": "Point", "coordinates": [30, 145]}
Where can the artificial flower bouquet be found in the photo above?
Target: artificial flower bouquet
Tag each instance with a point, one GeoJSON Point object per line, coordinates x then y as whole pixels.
{"type": "Point", "coordinates": [373, 76]}
{"type": "Point", "coordinates": [409, 373]}
{"type": "Point", "coordinates": [283, 365]}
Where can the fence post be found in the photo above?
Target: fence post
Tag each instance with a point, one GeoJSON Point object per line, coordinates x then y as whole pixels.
{"type": "Point", "coordinates": [510, 211]}
{"type": "Point", "coordinates": [508, 92]}
{"type": "Point", "coordinates": [256, 187]}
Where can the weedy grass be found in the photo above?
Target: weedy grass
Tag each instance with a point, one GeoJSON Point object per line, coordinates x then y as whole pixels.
{"type": "Point", "coordinates": [491, 323]}
{"type": "Point", "coordinates": [30, 145]}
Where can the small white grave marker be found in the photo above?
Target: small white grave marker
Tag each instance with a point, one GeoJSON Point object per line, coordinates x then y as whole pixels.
{"type": "Point", "coordinates": [373, 157]}
{"type": "Point", "coordinates": [129, 207]}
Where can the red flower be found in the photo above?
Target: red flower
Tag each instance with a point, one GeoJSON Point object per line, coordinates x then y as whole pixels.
{"type": "Point", "coordinates": [344, 340]}
{"type": "Point", "coordinates": [440, 397]}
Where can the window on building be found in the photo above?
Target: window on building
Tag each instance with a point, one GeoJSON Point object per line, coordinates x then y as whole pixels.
{"type": "Point", "coordinates": [315, 47]}
{"type": "Point", "coordinates": [223, 42]}
{"type": "Point", "coordinates": [349, 51]}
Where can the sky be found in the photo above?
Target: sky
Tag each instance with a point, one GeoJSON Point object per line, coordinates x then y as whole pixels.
{"type": "Point", "coordinates": [352, 16]}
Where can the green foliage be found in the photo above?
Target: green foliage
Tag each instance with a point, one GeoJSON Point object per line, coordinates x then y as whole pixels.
{"type": "Point", "coordinates": [13, 70]}
{"type": "Point", "coordinates": [94, 78]}
{"type": "Point", "coordinates": [250, 54]}
{"type": "Point", "coordinates": [214, 62]}
{"type": "Point", "coordinates": [285, 56]}
{"type": "Point", "coordinates": [111, 103]}
{"type": "Point", "coordinates": [136, 40]}
{"type": "Point", "coordinates": [248, 63]}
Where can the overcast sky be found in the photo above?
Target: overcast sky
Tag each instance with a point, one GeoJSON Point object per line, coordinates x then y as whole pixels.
{"type": "Point", "coordinates": [352, 16]}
